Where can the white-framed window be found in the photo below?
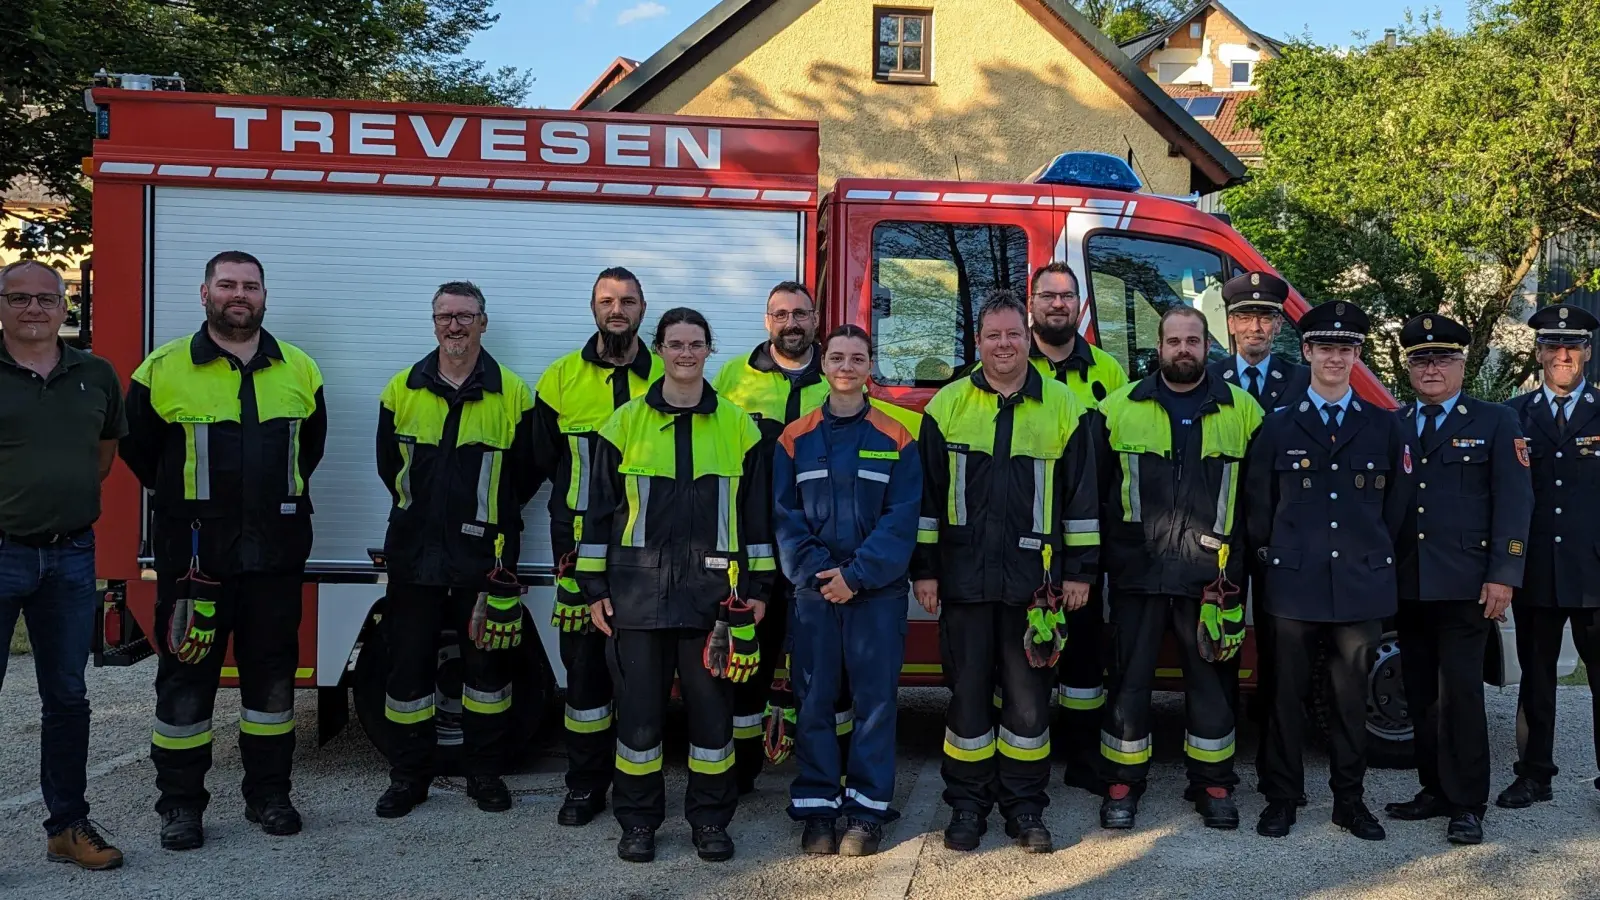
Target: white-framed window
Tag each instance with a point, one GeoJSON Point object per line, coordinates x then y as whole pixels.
{"type": "Point", "coordinates": [1242, 72]}
{"type": "Point", "coordinates": [1196, 30]}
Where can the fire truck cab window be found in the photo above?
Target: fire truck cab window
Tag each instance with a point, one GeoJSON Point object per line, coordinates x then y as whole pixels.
{"type": "Point", "coordinates": [1134, 280]}
{"type": "Point", "coordinates": [928, 280]}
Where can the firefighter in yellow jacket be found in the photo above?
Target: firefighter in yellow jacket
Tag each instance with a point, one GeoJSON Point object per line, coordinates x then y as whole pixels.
{"type": "Point", "coordinates": [675, 558]}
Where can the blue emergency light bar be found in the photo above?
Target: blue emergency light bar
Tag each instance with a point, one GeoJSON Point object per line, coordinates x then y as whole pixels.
{"type": "Point", "coordinates": [1086, 169]}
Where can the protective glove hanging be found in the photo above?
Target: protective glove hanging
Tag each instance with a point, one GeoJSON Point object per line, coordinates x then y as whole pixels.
{"type": "Point", "coordinates": [193, 628]}
{"type": "Point", "coordinates": [1220, 631]}
{"type": "Point", "coordinates": [780, 721]}
{"type": "Point", "coordinates": [496, 622]}
{"type": "Point", "coordinates": [1046, 633]}
{"type": "Point", "coordinates": [731, 649]}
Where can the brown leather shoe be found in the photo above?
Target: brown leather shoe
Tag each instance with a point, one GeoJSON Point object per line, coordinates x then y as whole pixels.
{"type": "Point", "coordinates": [81, 843]}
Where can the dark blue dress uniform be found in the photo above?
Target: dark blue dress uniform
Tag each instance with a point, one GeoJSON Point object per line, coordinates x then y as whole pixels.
{"type": "Point", "coordinates": [1561, 579]}
{"type": "Point", "coordinates": [1467, 527]}
{"type": "Point", "coordinates": [1323, 509]}
{"type": "Point", "coordinates": [1283, 382]}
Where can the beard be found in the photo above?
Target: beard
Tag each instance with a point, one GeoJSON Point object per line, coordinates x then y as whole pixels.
{"type": "Point", "coordinates": [1182, 370]}
{"type": "Point", "coordinates": [1053, 336]}
{"type": "Point", "coordinates": [456, 348]}
{"type": "Point", "coordinates": [615, 345]}
{"type": "Point", "coordinates": [792, 341]}
{"type": "Point", "coordinates": [217, 318]}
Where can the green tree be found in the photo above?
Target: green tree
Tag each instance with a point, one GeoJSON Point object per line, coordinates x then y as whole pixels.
{"type": "Point", "coordinates": [368, 49]}
{"type": "Point", "coordinates": [1122, 20]}
{"type": "Point", "coordinates": [1430, 175]}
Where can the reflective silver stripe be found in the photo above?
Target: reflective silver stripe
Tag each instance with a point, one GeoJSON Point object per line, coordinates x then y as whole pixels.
{"type": "Point", "coordinates": [1117, 743]}
{"type": "Point", "coordinates": [749, 721]}
{"type": "Point", "coordinates": [1038, 496]}
{"type": "Point", "coordinates": [864, 800]}
{"type": "Point", "coordinates": [811, 475]}
{"type": "Point", "coordinates": [1077, 693]}
{"type": "Point", "coordinates": [485, 472]}
{"type": "Point", "coordinates": [167, 729]}
{"type": "Point", "coordinates": [755, 550]}
{"type": "Point", "coordinates": [592, 551]}
{"type": "Point", "coordinates": [1135, 505]}
{"type": "Point", "coordinates": [724, 539]}
{"type": "Point", "coordinates": [705, 755]}
{"type": "Point", "coordinates": [640, 756]}
{"type": "Point", "coordinates": [583, 475]}
{"type": "Point", "coordinates": [405, 476]}
{"type": "Point", "coordinates": [264, 718]}
{"type": "Point", "coordinates": [813, 803]}
{"type": "Point", "coordinates": [1223, 493]}
{"type": "Point", "coordinates": [870, 475]}
{"type": "Point", "coordinates": [586, 715]}
{"type": "Point", "coordinates": [959, 486]}
{"type": "Point", "coordinates": [1081, 526]}
{"type": "Point", "coordinates": [841, 718]}
{"type": "Point", "coordinates": [1007, 736]}
{"type": "Point", "coordinates": [202, 462]}
{"type": "Point", "coordinates": [926, 524]}
{"type": "Point", "coordinates": [408, 706]}
{"type": "Point", "coordinates": [1199, 743]}
{"type": "Point", "coordinates": [961, 743]}
{"type": "Point", "coordinates": [294, 457]}
{"type": "Point", "coordinates": [478, 696]}
{"type": "Point", "coordinates": [641, 486]}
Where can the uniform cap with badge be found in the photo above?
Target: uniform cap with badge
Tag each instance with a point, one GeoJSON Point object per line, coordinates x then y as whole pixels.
{"type": "Point", "coordinates": [1563, 325]}
{"type": "Point", "coordinates": [1255, 292]}
{"type": "Point", "coordinates": [1334, 322]}
{"type": "Point", "coordinates": [1432, 335]}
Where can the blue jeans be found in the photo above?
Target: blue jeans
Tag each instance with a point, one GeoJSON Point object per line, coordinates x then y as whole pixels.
{"type": "Point", "coordinates": [54, 588]}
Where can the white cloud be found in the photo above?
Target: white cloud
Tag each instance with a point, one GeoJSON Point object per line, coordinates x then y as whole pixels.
{"type": "Point", "coordinates": [584, 10]}
{"type": "Point", "coordinates": [649, 9]}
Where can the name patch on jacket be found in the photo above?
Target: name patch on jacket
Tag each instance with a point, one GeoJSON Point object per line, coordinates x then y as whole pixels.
{"type": "Point", "coordinates": [716, 562]}
{"type": "Point", "coordinates": [880, 454]}
{"type": "Point", "coordinates": [195, 420]}
{"type": "Point", "coordinates": [474, 530]}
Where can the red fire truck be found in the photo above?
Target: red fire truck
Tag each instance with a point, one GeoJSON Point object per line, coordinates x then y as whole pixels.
{"type": "Point", "coordinates": [359, 210]}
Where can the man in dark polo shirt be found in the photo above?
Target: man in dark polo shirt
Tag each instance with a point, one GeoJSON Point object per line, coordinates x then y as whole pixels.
{"type": "Point", "coordinates": [60, 418]}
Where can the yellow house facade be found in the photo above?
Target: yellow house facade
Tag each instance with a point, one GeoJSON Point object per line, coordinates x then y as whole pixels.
{"type": "Point", "coordinates": [941, 89]}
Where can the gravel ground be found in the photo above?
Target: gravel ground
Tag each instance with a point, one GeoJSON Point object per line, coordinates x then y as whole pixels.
{"type": "Point", "coordinates": [449, 849]}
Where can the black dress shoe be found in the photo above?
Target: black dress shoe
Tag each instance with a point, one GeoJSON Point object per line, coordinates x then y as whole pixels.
{"type": "Point", "coordinates": [275, 814]}
{"type": "Point", "coordinates": [490, 792]}
{"type": "Point", "coordinates": [581, 807]}
{"type": "Point", "coordinates": [1120, 807]}
{"type": "Point", "coordinates": [818, 837]}
{"type": "Point", "coordinates": [638, 845]}
{"type": "Point", "coordinates": [1523, 793]}
{"type": "Point", "coordinates": [1215, 806]}
{"type": "Point", "coordinates": [713, 843]}
{"type": "Point", "coordinates": [965, 830]}
{"type": "Point", "coordinates": [181, 830]}
{"type": "Point", "coordinates": [1030, 834]}
{"type": "Point", "coordinates": [1276, 820]}
{"type": "Point", "coordinates": [1465, 828]}
{"type": "Point", "coordinates": [401, 798]}
{"type": "Point", "coordinates": [1354, 817]}
{"type": "Point", "coordinates": [1423, 806]}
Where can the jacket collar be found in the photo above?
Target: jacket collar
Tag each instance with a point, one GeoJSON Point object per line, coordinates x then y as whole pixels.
{"type": "Point", "coordinates": [657, 400]}
{"type": "Point", "coordinates": [484, 377]}
{"type": "Point", "coordinates": [641, 358]}
{"type": "Point", "coordinates": [1079, 359]}
{"type": "Point", "coordinates": [1032, 383]}
{"type": "Point", "coordinates": [204, 349]}
{"type": "Point", "coordinates": [1216, 389]}
{"type": "Point", "coordinates": [761, 360]}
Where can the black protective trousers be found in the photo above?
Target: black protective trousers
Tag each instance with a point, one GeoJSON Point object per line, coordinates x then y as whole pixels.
{"type": "Point", "coordinates": [1442, 662]}
{"type": "Point", "coordinates": [1138, 623]}
{"type": "Point", "coordinates": [994, 756]}
{"type": "Point", "coordinates": [642, 665]}
{"type": "Point", "coordinates": [1351, 649]}
{"type": "Point", "coordinates": [261, 613]}
{"type": "Point", "coordinates": [588, 720]}
{"type": "Point", "coordinates": [750, 696]}
{"type": "Point", "coordinates": [413, 618]}
{"type": "Point", "coordinates": [1538, 648]}
{"type": "Point", "coordinates": [1080, 686]}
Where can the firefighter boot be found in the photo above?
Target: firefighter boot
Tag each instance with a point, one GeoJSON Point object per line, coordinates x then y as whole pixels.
{"type": "Point", "coordinates": [181, 830]}
{"type": "Point", "coordinates": [1030, 834]}
{"type": "Point", "coordinates": [401, 798]}
{"type": "Point", "coordinates": [490, 792]}
{"type": "Point", "coordinates": [1120, 807]}
{"type": "Point", "coordinates": [1215, 806]}
{"type": "Point", "coordinates": [275, 814]}
{"type": "Point", "coordinates": [965, 830]}
{"type": "Point", "coordinates": [581, 807]}
{"type": "Point", "coordinates": [713, 843]}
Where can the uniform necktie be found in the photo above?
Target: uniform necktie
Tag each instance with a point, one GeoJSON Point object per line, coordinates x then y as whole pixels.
{"type": "Point", "coordinates": [1254, 387]}
{"type": "Point", "coordinates": [1430, 425]}
{"type": "Point", "coordinates": [1330, 415]}
{"type": "Point", "coordinates": [1561, 415]}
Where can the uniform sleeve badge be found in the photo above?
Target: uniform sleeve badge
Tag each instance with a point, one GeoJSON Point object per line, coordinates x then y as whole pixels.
{"type": "Point", "coordinates": [1514, 548]}
{"type": "Point", "coordinates": [1522, 452]}
{"type": "Point", "coordinates": [1405, 459]}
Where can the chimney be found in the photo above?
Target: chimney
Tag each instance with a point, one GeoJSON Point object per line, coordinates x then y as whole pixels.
{"type": "Point", "coordinates": [1390, 38]}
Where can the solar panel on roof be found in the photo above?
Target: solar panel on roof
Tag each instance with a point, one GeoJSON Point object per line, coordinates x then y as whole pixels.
{"type": "Point", "coordinates": [1204, 107]}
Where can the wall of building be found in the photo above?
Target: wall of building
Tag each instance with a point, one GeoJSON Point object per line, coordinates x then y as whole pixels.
{"type": "Point", "coordinates": [1208, 59]}
{"type": "Point", "coordinates": [1007, 94]}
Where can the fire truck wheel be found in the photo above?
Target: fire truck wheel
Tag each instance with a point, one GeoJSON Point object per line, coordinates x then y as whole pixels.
{"type": "Point", "coordinates": [1389, 728]}
{"type": "Point", "coordinates": [533, 695]}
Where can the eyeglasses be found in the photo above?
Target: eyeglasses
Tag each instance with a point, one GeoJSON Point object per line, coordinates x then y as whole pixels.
{"type": "Point", "coordinates": [46, 301]}
{"type": "Point", "coordinates": [681, 347]}
{"type": "Point", "coordinates": [800, 316]}
{"type": "Point", "coordinates": [443, 320]}
{"type": "Point", "coordinates": [1053, 297]}
{"type": "Point", "coordinates": [1433, 362]}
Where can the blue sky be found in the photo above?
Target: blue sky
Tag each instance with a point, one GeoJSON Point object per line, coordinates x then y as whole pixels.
{"type": "Point", "coordinates": [565, 44]}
